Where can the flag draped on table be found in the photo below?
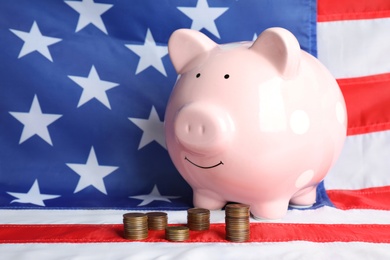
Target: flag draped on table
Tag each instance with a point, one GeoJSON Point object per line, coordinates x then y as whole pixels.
{"type": "Point", "coordinates": [84, 85]}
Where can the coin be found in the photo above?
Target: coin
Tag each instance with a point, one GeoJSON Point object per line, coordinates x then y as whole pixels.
{"type": "Point", "coordinates": [157, 220]}
{"type": "Point", "coordinates": [177, 233]}
{"type": "Point", "coordinates": [198, 219]}
{"type": "Point", "coordinates": [237, 210]}
{"type": "Point", "coordinates": [237, 222]}
{"type": "Point", "coordinates": [135, 226]}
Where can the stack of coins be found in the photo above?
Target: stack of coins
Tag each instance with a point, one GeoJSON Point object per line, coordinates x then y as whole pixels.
{"type": "Point", "coordinates": [177, 233]}
{"type": "Point", "coordinates": [237, 222]}
{"type": "Point", "coordinates": [157, 220]}
{"type": "Point", "coordinates": [135, 226]}
{"type": "Point", "coordinates": [198, 219]}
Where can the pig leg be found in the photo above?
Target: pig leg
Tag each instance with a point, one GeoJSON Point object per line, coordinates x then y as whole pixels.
{"type": "Point", "coordinates": [208, 200]}
{"type": "Point", "coordinates": [269, 210]}
{"type": "Point", "coordinates": [305, 198]}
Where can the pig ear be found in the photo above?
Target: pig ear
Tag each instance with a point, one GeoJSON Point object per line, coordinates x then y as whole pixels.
{"type": "Point", "coordinates": [185, 46]}
{"type": "Point", "coordinates": [280, 47]}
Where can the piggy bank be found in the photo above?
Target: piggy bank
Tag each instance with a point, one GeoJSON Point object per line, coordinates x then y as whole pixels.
{"type": "Point", "coordinates": [258, 123]}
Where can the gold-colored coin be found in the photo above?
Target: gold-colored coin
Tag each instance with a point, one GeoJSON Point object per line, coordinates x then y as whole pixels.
{"type": "Point", "coordinates": [134, 215]}
{"type": "Point", "coordinates": [198, 219]}
{"type": "Point", "coordinates": [237, 210]}
{"type": "Point", "coordinates": [237, 222]}
{"type": "Point", "coordinates": [177, 233]}
{"type": "Point", "coordinates": [198, 211]}
{"type": "Point", "coordinates": [135, 226]}
{"type": "Point", "coordinates": [157, 220]}
{"type": "Point", "coordinates": [238, 238]}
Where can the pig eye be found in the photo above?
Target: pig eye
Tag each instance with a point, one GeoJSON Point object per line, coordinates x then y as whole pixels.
{"type": "Point", "coordinates": [226, 76]}
{"type": "Point", "coordinates": [198, 75]}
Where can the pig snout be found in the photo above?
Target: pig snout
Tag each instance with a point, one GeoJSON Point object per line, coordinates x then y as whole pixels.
{"type": "Point", "coordinates": [203, 128]}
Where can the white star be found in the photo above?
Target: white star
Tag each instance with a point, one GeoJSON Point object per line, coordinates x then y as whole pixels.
{"type": "Point", "coordinates": [93, 87]}
{"type": "Point", "coordinates": [152, 196]}
{"type": "Point", "coordinates": [90, 12]}
{"type": "Point", "coordinates": [33, 196]}
{"type": "Point", "coordinates": [153, 129]}
{"type": "Point", "coordinates": [91, 173]}
{"type": "Point", "coordinates": [35, 41]}
{"type": "Point", "coordinates": [150, 54]}
{"type": "Point", "coordinates": [35, 122]}
{"type": "Point", "coordinates": [204, 16]}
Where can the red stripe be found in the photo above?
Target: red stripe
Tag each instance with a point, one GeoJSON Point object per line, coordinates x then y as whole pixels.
{"type": "Point", "coordinates": [259, 232]}
{"type": "Point", "coordinates": [367, 100]}
{"type": "Point", "coordinates": [336, 10]}
{"type": "Point", "coordinates": [371, 198]}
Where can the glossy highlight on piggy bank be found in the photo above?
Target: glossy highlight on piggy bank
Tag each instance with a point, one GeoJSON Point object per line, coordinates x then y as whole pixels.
{"type": "Point", "coordinates": [258, 123]}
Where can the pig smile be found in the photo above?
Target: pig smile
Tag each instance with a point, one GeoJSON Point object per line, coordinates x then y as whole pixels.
{"type": "Point", "coordinates": [204, 167]}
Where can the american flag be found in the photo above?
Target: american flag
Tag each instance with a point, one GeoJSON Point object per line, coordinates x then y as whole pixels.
{"type": "Point", "coordinates": [84, 86]}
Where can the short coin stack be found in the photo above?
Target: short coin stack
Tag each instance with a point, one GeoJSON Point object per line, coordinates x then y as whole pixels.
{"type": "Point", "coordinates": [198, 219]}
{"type": "Point", "coordinates": [237, 222]}
{"type": "Point", "coordinates": [177, 233]}
{"type": "Point", "coordinates": [135, 226]}
{"type": "Point", "coordinates": [157, 220]}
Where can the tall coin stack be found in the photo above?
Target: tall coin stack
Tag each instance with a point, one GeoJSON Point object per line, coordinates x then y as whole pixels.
{"type": "Point", "coordinates": [198, 219]}
{"type": "Point", "coordinates": [135, 226]}
{"type": "Point", "coordinates": [157, 220]}
{"type": "Point", "coordinates": [237, 222]}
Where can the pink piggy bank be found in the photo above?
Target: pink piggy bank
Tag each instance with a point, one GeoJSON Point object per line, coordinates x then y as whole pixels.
{"type": "Point", "coordinates": [258, 123]}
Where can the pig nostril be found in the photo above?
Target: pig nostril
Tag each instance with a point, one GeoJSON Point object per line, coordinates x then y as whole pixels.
{"type": "Point", "coordinates": [188, 128]}
{"type": "Point", "coordinates": [202, 129]}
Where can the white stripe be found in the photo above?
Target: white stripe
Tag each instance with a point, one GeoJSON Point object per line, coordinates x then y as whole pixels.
{"type": "Point", "coordinates": [355, 48]}
{"type": "Point", "coordinates": [164, 251]}
{"type": "Point", "coordinates": [324, 215]}
{"type": "Point", "coordinates": [364, 163]}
